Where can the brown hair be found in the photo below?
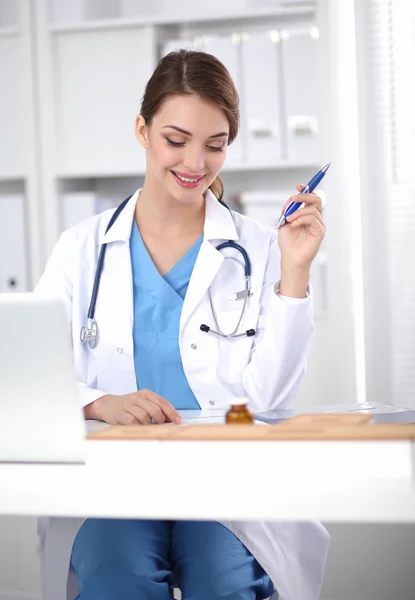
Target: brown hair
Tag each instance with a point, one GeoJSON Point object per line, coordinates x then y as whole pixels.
{"type": "Point", "coordinates": [190, 72]}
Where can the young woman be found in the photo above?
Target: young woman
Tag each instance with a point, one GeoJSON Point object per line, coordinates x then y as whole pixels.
{"type": "Point", "coordinates": [181, 326]}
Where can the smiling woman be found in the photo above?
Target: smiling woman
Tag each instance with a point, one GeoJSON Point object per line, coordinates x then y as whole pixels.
{"type": "Point", "coordinates": [172, 264]}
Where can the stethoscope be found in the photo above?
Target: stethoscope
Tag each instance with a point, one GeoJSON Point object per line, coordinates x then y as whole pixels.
{"type": "Point", "coordinates": [90, 334]}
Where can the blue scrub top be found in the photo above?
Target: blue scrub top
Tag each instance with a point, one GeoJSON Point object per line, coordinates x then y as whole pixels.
{"type": "Point", "coordinates": [158, 303]}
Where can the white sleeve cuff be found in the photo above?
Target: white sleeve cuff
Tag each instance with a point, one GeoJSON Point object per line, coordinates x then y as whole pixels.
{"type": "Point", "coordinates": [288, 299]}
{"type": "Point", "coordinates": [87, 394]}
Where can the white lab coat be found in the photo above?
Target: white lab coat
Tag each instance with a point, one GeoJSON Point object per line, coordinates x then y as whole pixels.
{"type": "Point", "coordinates": [268, 367]}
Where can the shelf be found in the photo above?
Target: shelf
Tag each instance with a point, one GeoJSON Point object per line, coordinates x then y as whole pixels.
{"type": "Point", "coordinates": [9, 31]}
{"type": "Point", "coordinates": [247, 14]}
{"type": "Point", "coordinates": [12, 177]}
{"type": "Point", "coordinates": [280, 166]}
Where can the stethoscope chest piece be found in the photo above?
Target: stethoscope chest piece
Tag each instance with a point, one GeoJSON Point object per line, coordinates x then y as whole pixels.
{"type": "Point", "coordinates": [89, 334]}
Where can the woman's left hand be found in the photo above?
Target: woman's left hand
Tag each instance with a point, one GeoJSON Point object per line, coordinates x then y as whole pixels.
{"type": "Point", "coordinates": [300, 238]}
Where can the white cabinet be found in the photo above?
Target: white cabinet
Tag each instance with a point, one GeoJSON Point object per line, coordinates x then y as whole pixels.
{"type": "Point", "coordinates": [77, 206]}
{"type": "Point", "coordinates": [99, 80]}
{"type": "Point", "coordinates": [13, 116]}
{"type": "Point", "coordinates": [13, 249]}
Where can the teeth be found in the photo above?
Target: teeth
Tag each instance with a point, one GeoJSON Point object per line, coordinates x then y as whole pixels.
{"type": "Point", "coordinates": [187, 179]}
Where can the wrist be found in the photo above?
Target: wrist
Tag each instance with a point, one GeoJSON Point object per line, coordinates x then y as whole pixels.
{"type": "Point", "coordinates": [294, 282]}
{"type": "Point", "coordinates": [94, 410]}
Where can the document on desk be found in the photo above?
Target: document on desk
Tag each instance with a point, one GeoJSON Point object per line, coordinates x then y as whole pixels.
{"type": "Point", "coordinates": [204, 417]}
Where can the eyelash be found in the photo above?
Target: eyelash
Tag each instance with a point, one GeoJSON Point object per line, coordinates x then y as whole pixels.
{"type": "Point", "coordinates": [181, 144]}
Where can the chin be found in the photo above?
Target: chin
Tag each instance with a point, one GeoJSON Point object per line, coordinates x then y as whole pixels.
{"type": "Point", "coordinates": [188, 198]}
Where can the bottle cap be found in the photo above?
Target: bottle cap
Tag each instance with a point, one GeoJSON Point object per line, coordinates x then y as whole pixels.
{"type": "Point", "coordinates": [239, 401]}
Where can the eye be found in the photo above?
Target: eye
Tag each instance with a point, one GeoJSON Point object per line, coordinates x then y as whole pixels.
{"type": "Point", "coordinates": [216, 148]}
{"type": "Point", "coordinates": [175, 144]}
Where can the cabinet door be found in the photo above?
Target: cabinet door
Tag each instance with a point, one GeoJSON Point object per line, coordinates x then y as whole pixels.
{"type": "Point", "coordinates": [100, 77]}
{"type": "Point", "coordinates": [13, 259]}
{"type": "Point", "coordinates": [12, 107]}
{"type": "Point", "coordinates": [75, 207]}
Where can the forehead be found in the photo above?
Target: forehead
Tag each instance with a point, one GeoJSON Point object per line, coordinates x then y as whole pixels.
{"type": "Point", "coordinates": [192, 113]}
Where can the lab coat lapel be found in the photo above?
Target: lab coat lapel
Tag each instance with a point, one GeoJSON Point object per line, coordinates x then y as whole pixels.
{"type": "Point", "coordinates": [115, 309]}
{"type": "Point", "coordinates": [219, 226]}
{"type": "Point", "coordinates": [207, 265]}
{"type": "Point", "coordinates": [117, 298]}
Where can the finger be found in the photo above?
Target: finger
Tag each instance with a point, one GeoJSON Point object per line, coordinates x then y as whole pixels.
{"type": "Point", "coordinates": [127, 418]}
{"type": "Point", "coordinates": [312, 223]}
{"type": "Point", "coordinates": [312, 200]}
{"type": "Point", "coordinates": [168, 409]}
{"type": "Point", "coordinates": [307, 210]}
{"type": "Point", "coordinates": [153, 410]}
{"type": "Point", "coordinates": [293, 198]}
{"type": "Point", "coordinates": [140, 415]}
{"type": "Point", "coordinates": [300, 188]}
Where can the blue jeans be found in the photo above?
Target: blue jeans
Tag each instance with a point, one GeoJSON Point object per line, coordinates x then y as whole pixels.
{"type": "Point", "coordinates": [140, 560]}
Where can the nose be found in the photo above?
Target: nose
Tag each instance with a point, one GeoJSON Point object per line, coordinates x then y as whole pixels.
{"type": "Point", "coordinates": [194, 160]}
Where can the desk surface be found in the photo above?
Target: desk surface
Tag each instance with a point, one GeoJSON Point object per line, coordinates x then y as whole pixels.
{"type": "Point", "coordinates": [360, 481]}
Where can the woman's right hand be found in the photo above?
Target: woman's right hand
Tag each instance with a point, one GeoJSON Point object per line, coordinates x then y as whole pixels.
{"type": "Point", "coordinates": [139, 407]}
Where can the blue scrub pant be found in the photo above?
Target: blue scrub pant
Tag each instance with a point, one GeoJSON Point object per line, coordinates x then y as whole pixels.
{"type": "Point", "coordinates": [140, 560]}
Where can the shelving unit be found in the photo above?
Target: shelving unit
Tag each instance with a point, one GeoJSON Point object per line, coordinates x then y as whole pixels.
{"type": "Point", "coordinates": [94, 60]}
{"type": "Point", "coordinates": [214, 12]}
{"type": "Point", "coordinates": [20, 240]}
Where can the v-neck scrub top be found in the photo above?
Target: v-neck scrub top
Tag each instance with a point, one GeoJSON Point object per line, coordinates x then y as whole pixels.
{"type": "Point", "coordinates": [158, 302]}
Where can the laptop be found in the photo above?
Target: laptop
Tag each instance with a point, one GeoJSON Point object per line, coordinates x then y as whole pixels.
{"type": "Point", "coordinates": [41, 419]}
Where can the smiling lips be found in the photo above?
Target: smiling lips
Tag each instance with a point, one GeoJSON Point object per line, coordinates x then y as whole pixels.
{"type": "Point", "coordinates": [186, 180]}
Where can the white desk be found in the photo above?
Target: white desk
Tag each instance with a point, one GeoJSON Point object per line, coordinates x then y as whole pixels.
{"type": "Point", "coordinates": [329, 481]}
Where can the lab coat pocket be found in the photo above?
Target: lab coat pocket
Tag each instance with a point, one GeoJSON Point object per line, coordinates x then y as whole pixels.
{"type": "Point", "coordinates": [235, 352]}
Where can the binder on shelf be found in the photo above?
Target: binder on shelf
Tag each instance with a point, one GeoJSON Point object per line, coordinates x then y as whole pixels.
{"type": "Point", "coordinates": [104, 9]}
{"type": "Point", "coordinates": [9, 16]}
{"type": "Point", "coordinates": [13, 244]}
{"type": "Point", "coordinates": [171, 45]}
{"type": "Point", "coordinates": [227, 48]}
{"type": "Point", "coordinates": [99, 80]}
{"type": "Point", "coordinates": [261, 91]}
{"type": "Point", "coordinates": [77, 206]}
{"type": "Point", "coordinates": [264, 206]}
{"type": "Point", "coordinates": [63, 13]}
{"type": "Point", "coordinates": [300, 72]}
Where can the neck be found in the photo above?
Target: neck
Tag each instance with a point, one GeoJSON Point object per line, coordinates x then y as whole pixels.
{"type": "Point", "coordinates": [161, 214]}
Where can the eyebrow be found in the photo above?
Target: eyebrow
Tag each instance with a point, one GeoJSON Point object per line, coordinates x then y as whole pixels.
{"type": "Point", "coordinates": [180, 130]}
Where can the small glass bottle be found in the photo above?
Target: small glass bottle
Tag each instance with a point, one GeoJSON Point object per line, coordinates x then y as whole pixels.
{"type": "Point", "coordinates": [238, 413]}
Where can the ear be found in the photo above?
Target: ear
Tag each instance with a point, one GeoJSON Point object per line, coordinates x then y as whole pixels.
{"type": "Point", "coordinates": [141, 131]}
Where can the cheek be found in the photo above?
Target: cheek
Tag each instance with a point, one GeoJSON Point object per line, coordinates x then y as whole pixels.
{"type": "Point", "coordinates": [162, 155]}
{"type": "Point", "coordinates": [216, 160]}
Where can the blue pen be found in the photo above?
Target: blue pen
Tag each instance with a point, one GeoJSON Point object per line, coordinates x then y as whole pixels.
{"type": "Point", "coordinates": [311, 185]}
